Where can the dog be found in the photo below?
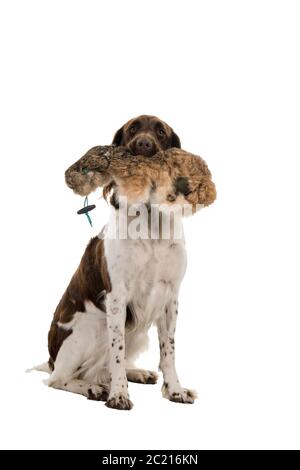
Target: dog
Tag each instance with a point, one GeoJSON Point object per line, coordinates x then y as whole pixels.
{"type": "Point", "coordinates": [120, 289]}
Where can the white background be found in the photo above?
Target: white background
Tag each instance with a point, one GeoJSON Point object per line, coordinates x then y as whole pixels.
{"type": "Point", "coordinates": [226, 76]}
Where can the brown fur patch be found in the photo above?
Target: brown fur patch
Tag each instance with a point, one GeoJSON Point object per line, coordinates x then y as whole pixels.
{"type": "Point", "coordinates": [89, 280]}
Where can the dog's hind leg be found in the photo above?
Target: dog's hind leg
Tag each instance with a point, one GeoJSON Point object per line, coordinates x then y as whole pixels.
{"type": "Point", "coordinates": [66, 376]}
{"type": "Point", "coordinates": [81, 358]}
{"type": "Point", "coordinates": [91, 391]}
{"type": "Point", "coordinates": [141, 376]}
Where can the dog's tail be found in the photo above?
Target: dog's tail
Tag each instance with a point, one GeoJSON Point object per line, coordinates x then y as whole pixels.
{"type": "Point", "coordinates": [41, 367]}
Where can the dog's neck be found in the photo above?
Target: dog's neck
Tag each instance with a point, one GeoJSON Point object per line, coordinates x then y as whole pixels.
{"type": "Point", "coordinates": [144, 222]}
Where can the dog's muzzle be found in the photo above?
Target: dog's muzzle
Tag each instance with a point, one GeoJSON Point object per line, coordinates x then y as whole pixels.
{"type": "Point", "coordinates": [143, 145]}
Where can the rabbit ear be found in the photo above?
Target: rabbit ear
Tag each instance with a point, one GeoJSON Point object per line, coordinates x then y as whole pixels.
{"type": "Point", "coordinates": [118, 137]}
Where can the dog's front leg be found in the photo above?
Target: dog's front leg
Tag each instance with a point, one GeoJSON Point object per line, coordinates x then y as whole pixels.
{"type": "Point", "coordinates": [116, 315]}
{"type": "Point", "coordinates": [166, 326]}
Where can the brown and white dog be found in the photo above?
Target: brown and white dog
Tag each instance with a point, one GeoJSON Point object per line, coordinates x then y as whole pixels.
{"type": "Point", "coordinates": [121, 288]}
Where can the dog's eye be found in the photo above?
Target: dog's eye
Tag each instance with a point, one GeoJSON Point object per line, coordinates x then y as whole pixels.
{"type": "Point", "coordinates": [132, 130]}
{"type": "Point", "coordinates": [161, 132]}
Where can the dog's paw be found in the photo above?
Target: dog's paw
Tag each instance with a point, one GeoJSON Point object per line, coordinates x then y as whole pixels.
{"type": "Point", "coordinates": [97, 392]}
{"type": "Point", "coordinates": [149, 377]}
{"type": "Point", "coordinates": [142, 376]}
{"type": "Point", "coordinates": [183, 396]}
{"type": "Point", "coordinates": [119, 402]}
{"type": "Point", "coordinates": [180, 395]}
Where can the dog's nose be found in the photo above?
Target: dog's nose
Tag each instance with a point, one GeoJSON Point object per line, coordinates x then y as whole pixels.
{"type": "Point", "coordinates": [144, 146]}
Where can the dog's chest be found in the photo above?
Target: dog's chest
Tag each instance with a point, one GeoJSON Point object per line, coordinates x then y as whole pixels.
{"type": "Point", "coordinates": [151, 270]}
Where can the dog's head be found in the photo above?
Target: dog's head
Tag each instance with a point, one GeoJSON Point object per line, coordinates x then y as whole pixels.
{"type": "Point", "coordinates": [146, 135]}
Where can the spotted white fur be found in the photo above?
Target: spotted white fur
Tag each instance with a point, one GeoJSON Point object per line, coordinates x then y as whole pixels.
{"type": "Point", "coordinates": [99, 355]}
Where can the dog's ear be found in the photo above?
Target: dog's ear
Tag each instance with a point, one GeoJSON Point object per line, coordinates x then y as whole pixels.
{"type": "Point", "coordinates": [175, 141]}
{"type": "Point", "coordinates": [118, 137]}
